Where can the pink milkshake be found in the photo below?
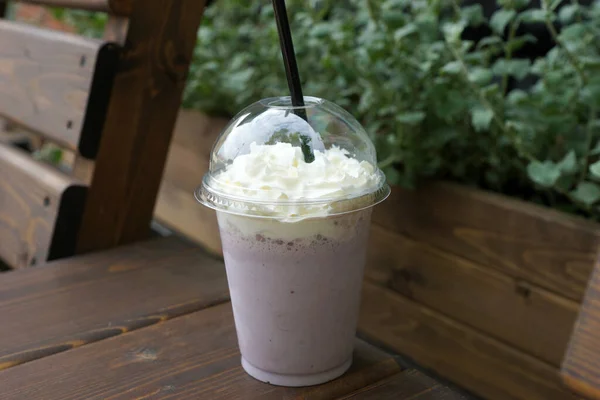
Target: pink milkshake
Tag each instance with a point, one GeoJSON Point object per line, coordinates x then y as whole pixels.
{"type": "Point", "coordinates": [294, 236]}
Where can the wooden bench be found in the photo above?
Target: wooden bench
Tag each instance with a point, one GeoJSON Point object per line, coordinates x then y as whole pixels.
{"type": "Point", "coordinates": [113, 102]}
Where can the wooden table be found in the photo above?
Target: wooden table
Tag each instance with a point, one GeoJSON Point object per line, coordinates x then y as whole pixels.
{"type": "Point", "coordinates": [152, 321]}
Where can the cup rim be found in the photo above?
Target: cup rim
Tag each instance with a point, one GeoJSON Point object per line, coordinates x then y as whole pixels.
{"type": "Point", "coordinates": [285, 102]}
{"type": "Point", "coordinates": [232, 204]}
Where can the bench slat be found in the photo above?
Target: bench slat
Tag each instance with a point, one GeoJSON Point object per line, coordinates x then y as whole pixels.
{"type": "Point", "coordinates": [40, 210]}
{"type": "Point", "coordinates": [117, 7]}
{"type": "Point", "coordinates": [56, 84]}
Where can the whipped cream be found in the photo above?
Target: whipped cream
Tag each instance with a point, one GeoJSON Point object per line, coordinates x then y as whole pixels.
{"type": "Point", "coordinates": [274, 180]}
{"type": "Point", "coordinates": [278, 173]}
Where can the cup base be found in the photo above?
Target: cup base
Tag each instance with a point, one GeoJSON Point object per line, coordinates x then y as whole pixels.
{"type": "Point", "coordinates": [291, 380]}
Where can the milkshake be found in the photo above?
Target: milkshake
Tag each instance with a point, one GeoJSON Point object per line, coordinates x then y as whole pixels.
{"type": "Point", "coordinates": [294, 239]}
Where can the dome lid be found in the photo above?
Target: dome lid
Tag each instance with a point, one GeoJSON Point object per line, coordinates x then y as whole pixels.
{"type": "Point", "coordinates": [276, 159]}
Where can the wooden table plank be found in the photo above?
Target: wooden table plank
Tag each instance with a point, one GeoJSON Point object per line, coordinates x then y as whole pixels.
{"type": "Point", "coordinates": [409, 384]}
{"type": "Point", "coordinates": [581, 367]}
{"type": "Point", "coordinates": [191, 357]}
{"type": "Point", "coordinates": [69, 303]}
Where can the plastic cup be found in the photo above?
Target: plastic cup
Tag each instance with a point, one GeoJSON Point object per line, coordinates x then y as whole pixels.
{"type": "Point", "coordinates": [294, 254]}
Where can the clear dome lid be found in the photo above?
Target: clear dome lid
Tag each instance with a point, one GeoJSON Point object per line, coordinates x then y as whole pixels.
{"type": "Point", "coordinates": [276, 159]}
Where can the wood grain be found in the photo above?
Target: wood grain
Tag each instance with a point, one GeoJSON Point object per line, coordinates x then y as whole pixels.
{"type": "Point", "coordinates": [187, 161]}
{"type": "Point", "coordinates": [409, 384]}
{"type": "Point", "coordinates": [39, 210]}
{"type": "Point", "coordinates": [84, 299]}
{"type": "Point", "coordinates": [56, 84]}
{"type": "Point", "coordinates": [581, 367]}
{"type": "Point", "coordinates": [546, 247]}
{"type": "Point", "coordinates": [192, 357]}
{"type": "Point", "coordinates": [483, 365]}
{"type": "Point", "coordinates": [142, 112]}
{"type": "Point", "coordinates": [119, 7]}
{"type": "Point", "coordinates": [523, 315]}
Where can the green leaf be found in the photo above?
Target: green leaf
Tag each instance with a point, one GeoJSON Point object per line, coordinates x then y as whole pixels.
{"type": "Point", "coordinates": [590, 61]}
{"type": "Point", "coordinates": [543, 173]}
{"type": "Point", "coordinates": [490, 90]}
{"type": "Point", "coordinates": [554, 4]}
{"type": "Point", "coordinates": [595, 170]}
{"type": "Point", "coordinates": [566, 182]}
{"type": "Point", "coordinates": [411, 118]}
{"type": "Point", "coordinates": [481, 117]}
{"type": "Point", "coordinates": [568, 165]}
{"type": "Point", "coordinates": [473, 14]}
{"type": "Point", "coordinates": [568, 12]}
{"type": "Point", "coordinates": [517, 68]}
{"type": "Point", "coordinates": [573, 32]}
{"type": "Point", "coordinates": [453, 67]}
{"type": "Point", "coordinates": [393, 18]}
{"type": "Point", "coordinates": [240, 78]}
{"type": "Point", "coordinates": [480, 76]}
{"type": "Point", "coordinates": [500, 19]}
{"type": "Point", "coordinates": [321, 30]}
{"type": "Point", "coordinates": [489, 41]}
{"type": "Point", "coordinates": [518, 42]}
{"type": "Point", "coordinates": [533, 16]}
{"type": "Point", "coordinates": [587, 192]}
{"type": "Point", "coordinates": [590, 94]}
{"type": "Point", "coordinates": [406, 30]}
{"type": "Point", "coordinates": [452, 31]}
{"type": "Point", "coordinates": [520, 3]}
{"type": "Point", "coordinates": [596, 149]}
{"type": "Point", "coordinates": [512, 4]}
{"type": "Point", "coordinates": [516, 96]}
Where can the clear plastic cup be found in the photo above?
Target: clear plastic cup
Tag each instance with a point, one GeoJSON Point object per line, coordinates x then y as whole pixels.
{"type": "Point", "coordinates": [294, 234]}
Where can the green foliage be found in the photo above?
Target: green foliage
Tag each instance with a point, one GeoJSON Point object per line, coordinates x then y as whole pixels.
{"type": "Point", "coordinates": [435, 104]}
{"type": "Point", "coordinates": [587, 192]}
{"type": "Point", "coordinates": [88, 23]}
{"type": "Point", "coordinates": [545, 173]}
{"type": "Point", "coordinates": [50, 154]}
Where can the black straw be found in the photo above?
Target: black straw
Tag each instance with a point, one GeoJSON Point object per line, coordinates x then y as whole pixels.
{"type": "Point", "coordinates": [287, 51]}
{"type": "Point", "coordinates": [291, 71]}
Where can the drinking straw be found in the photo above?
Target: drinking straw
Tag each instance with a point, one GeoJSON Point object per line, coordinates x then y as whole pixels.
{"type": "Point", "coordinates": [291, 71]}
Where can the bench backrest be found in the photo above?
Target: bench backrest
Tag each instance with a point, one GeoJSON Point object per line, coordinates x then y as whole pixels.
{"type": "Point", "coordinates": [113, 103]}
